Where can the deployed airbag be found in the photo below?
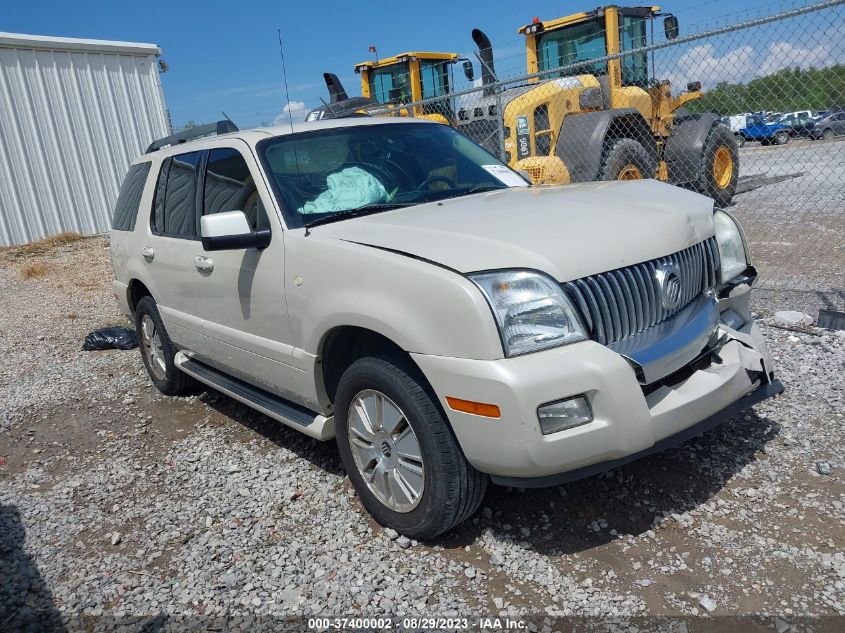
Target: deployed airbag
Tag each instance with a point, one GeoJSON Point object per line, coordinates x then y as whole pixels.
{"type": "Point", "coordinates": [349, 188]}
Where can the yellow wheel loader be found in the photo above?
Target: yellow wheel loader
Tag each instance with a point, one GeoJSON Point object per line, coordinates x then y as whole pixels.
{"type": "Point", "coordinates": [408, 78]}
{"type": "Point", "coordinates": [607, 120]}
{"type": "Point", "coordinates": [411, 77]}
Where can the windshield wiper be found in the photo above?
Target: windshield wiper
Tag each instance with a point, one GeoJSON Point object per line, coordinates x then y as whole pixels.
{"type": "Point", "coordinates": [357, 212]}
{"type": "Point", "coordinates": [483, 188]}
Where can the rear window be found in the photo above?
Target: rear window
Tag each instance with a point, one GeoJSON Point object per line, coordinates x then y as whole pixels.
{"type": "Point", "coordinates": [176, 191]}
{"type": "Point", "coordinates": [126, 209]}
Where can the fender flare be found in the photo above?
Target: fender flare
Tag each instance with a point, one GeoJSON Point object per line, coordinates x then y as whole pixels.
{"type": "Point", "coordinates": [685, 146]}
{"type": "Point", "coordinates": [580, 144]}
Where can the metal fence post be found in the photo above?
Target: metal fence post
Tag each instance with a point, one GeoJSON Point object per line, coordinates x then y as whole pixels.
{"type": "Point", "coordinates": [500, 125]}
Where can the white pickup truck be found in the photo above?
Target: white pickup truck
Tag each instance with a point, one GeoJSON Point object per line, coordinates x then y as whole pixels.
{"type": "Point", "coordinates": [389, 284]}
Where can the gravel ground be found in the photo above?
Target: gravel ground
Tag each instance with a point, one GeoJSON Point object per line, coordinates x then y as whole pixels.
{"type": "Point", "coordinates": [796, 227]}
{"type": "Point", "coordinates": [117, 500]}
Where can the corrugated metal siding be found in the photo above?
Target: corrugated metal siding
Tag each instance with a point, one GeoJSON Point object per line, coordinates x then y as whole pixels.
{"type": "Point", "coordinates": [70, 124]}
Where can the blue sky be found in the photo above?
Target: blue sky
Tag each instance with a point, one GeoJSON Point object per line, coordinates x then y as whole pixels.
{"type": "Point", "coordinates": [225, 55]}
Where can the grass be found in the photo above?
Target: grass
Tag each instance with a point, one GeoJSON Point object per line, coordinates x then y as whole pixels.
{"type": "Point", "coordinates": [33, 270]}
{"type": "Point", "coordinates": [41, 246]}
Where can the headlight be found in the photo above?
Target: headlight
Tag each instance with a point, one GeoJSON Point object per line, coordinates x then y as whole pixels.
{"type": "Point", "coordinates": [530, 309]}
{"type": "Point", "coordinates": [731, 246]}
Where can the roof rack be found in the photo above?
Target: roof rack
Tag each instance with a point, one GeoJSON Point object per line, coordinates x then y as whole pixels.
{"type": "Point", "coordinates": [221, 127]}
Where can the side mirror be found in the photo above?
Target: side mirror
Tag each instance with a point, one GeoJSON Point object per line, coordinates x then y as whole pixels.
{"type": "Point", "coordinates": [468, 72]}
{"type": "Point", "coordinates": [670, 27]}
{"type": "Point", "coordinates": [230, 231]}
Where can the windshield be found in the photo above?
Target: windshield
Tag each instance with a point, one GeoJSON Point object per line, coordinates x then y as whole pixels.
{"type": "Point", "coordinates": [319, 174]}
{"type": "Point", "coordinates": [571, 44]}
{"type": "Point", "coordinates": [394, 77]}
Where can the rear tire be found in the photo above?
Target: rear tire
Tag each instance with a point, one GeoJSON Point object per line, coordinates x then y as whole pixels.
{"type": "Point", "coordinates": [158, 351]}
{"type": "Point", "coordinates": [626, 159]}
{"type": "Point", "coordinates": [781, 138]}
{"type": "Point", "coordinates": [740, 140]}
{"type": "Point", "coordinates": [449, 489]}
{"type": "Point", "coordinates": [719, 165]}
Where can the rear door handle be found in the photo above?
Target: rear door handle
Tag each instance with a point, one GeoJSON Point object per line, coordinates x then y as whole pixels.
{"type": "Point", "coordinates": [204, 264]}
{"type": "Point", "coordinates": [148, 252]}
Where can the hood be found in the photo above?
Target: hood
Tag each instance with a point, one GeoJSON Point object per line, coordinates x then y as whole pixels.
{"type": "Point", "coordinates": [568, 231]}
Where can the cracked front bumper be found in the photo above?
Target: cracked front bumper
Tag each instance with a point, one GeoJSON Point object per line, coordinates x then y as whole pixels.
{"type": "Point", "coordinates": [630, 419]}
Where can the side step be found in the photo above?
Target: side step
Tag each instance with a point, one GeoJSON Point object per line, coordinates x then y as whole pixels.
{"type": "Point", "coordinates": [293, 415]}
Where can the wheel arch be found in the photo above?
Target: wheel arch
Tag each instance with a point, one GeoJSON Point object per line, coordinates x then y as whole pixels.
{"type": "Point", "coordinates": [343, 345]}
{"type": "Point", "coordinates": [135, 291]}
{"type": "Point", "coordinates": [581, 141]}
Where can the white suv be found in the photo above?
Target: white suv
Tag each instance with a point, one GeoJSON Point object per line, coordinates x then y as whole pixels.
{"type": "Point", "coordinates": [388, 283]}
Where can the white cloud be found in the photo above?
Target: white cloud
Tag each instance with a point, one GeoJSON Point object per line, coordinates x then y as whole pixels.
{"type": "Point", "coordinates": [294, 110]}
{"type": "Point", "coordinates": [785, 55]}
{"type": "Point", "coordinates": [701, 63]}
{"type": "Point", "coordinates": [740, 65]}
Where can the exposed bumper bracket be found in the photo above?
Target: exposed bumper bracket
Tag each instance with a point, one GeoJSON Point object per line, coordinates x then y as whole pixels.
{"type": "Point", "coordinates": [667, 347]}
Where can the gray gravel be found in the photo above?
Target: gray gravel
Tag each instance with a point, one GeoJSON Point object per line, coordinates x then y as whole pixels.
{"type": "Point", "coordinates": [117, 500]}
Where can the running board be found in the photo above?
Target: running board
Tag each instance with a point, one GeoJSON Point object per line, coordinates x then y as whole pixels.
{"type": "Point", "coordinates": [304, 420]}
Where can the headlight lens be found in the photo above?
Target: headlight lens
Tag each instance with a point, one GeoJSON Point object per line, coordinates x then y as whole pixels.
{"type": "Point", "coordinates": [531, 311]}
{"type": "Point", "coordinates": [731, 246]}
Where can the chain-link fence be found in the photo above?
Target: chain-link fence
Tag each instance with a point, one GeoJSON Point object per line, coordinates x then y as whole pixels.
{"type": "Point", "coordinates": [752, 114]}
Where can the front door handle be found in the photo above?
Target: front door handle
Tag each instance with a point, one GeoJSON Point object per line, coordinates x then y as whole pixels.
{"type": "Point", "coordinates": [148, 252]}
{"type": "Point", "coordinates": [204, 264]}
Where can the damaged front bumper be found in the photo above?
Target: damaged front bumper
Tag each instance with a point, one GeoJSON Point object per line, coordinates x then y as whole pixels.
{"type": "Point", "coordinates": [638, 406]}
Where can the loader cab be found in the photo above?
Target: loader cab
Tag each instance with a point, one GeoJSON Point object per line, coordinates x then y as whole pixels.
{"type": "Point", "coordinates": [408, 78]}
{"type": "Point", "coordinates": [586, 38]}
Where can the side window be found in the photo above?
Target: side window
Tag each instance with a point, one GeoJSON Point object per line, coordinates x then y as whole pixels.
{"type": "Point", "coordinates": [229, 186]}
{"type": "Point", "coordinates": [126, 209]}
{"type": "Point", "coordinates": [176, 192]}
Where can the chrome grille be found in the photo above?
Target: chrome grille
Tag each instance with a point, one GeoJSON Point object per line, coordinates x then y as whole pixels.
{"type": "Point", "coordinates": [622, 302]}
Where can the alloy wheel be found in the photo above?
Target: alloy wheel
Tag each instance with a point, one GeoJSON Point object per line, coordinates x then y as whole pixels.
{"type": "Point", "coordinates": [153, 348]}
{"type": "Point", "coordinates": [386, 450]}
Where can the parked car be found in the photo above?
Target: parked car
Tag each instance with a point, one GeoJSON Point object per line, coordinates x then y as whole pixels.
{"type": "Point", "coordinates": [830, 126]}
{"type": "Point", "coordinates": [798, 114]}
{"type": "Point", "coordinates": [757, 129]}
{"type": "Point", "coordinates": [800, 123]}
{"type": "Point", "coordinates": [389, 284]}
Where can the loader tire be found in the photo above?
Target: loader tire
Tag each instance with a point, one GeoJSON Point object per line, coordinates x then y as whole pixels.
{"type": "Point", "coordinates": [719, 165]}
{"type": "Point", "coordinates": [626, 159]}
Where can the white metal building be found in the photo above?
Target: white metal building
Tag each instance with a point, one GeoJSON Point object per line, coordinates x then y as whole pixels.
{"type": "Point", "coordinates": [73, 114]}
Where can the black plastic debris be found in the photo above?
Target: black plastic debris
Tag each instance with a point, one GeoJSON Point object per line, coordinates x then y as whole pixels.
{"type": "Point", "coordinates": [110, 338]}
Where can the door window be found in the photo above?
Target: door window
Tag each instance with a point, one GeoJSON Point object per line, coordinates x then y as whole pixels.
{"type": "Point", "coordinates": [632, 35]}
{"type": "Point", "coordinates": [229, 186]}
{"type": "Point", "coordinates": [176, 192]}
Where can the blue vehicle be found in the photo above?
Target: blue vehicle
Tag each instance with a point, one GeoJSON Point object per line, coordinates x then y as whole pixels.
{"type": "Point", "coordinates": [758, 129]}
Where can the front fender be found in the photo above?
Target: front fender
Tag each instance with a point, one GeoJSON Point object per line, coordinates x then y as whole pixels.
{"type": "Point", "coordinates": [421, 306]}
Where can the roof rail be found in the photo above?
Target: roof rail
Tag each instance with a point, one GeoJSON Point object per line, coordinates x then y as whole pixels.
{"type": "Point", "coordinates": [221, 127]}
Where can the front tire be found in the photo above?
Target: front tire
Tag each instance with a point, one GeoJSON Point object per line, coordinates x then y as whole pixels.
{"type": "Point", "coordinates": [740, 140]}
{"type": "Point", "coordinates": [720, 165]}
{"type": "Point", "coordinates": [828, 134]}
{"type": "Point", "coordinates": [158, 351]}
{"type": "Point", "coordinates": [781, 138]}
{"type": "Point", "coordinates": [626, 159]}
{"type": "Point", "coordinates": [399, 451]}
